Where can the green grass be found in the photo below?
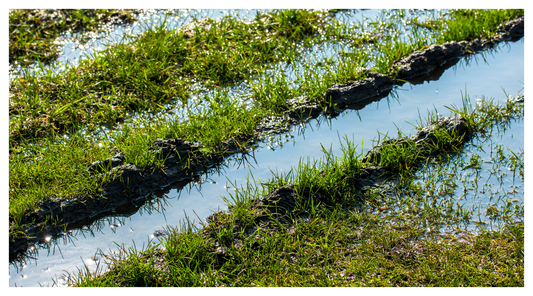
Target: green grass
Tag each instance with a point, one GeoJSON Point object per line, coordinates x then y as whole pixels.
{"type": "Point", "coordinates": [468, 23]}
{"type": "Point", "coordinates": [405, 235]}
{"type": "Point", "coordinates": [322, 253]}
{"type": "Point", "coordinates": [55, 118]}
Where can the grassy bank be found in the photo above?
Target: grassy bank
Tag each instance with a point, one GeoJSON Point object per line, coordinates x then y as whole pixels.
{"type": "Point", "coordinates": [55, 118]}
{"type": "Point", "coordinates": [412, 232]}
{"type": "Point", "coordinates": [323, 254]}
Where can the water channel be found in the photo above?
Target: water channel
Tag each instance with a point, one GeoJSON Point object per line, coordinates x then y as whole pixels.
{"type": "Point", "coordinates": [487, 75]}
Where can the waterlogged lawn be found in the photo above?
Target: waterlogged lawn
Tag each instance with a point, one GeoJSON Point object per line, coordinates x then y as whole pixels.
{"type": "Point", "coordinates": [414, 233]}
{"type": "Point", "coordinates": [214, 80]}
{"type": "Point", "coordinates": [66, 109]}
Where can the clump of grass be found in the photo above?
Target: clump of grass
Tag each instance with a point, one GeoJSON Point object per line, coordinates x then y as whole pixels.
{"type": "Point", "coordinates": [468, 24]}
{"type": "Point", "coordinates": [482, 116]}
{"type": "Point", "coordinates": [326, 250]}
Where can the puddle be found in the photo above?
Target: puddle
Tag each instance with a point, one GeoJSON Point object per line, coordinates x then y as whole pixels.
{"type": "Point", "coordinates": [490, 182]}
{"type": "Point", "coordinates": [504, 69]}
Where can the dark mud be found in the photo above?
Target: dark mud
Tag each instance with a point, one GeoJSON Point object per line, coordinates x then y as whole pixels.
{"type": "Point", "coordinates": [424, 138]}
{"type": "Point", "coordinates": [133, 185]}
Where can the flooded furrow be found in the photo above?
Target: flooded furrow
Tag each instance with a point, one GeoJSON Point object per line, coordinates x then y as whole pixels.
{"type": "Point", "coordinates": [478, 75]}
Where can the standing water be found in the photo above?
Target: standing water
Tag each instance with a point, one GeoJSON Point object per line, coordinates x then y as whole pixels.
{"type": "Point", "coordinates": [487, 75]}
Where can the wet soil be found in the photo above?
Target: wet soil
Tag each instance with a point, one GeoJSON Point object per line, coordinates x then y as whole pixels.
{"type": "Point", "coordinates": [132, 185]}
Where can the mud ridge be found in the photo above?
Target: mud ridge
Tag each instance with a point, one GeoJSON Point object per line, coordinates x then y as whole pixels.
{"type": "Point", "coordinates": [132, 185]}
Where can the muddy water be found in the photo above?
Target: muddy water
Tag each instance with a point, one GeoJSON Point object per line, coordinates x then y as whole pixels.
{"type": "Point", "coordinates": [504, 69]}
